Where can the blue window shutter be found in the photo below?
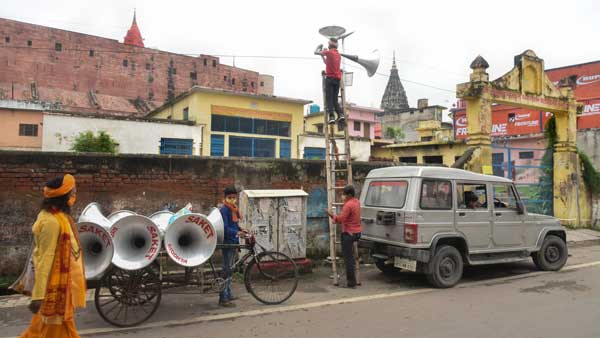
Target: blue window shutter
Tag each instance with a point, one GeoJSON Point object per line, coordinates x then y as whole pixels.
{"type": "Point", "coordinates": [217, 145]}
{"type": "Point", "coordinates": [285, 147]}
{"type": "Point", "coordinates": [176, 146]}
{"type": "Point", "coordinates": [311, 153]}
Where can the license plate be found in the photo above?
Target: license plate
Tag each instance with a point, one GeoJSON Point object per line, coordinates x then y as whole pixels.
{"type": "Point", "coordinates": [405, 263]}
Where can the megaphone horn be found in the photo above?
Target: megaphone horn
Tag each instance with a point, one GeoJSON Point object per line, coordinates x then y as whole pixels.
{"type": "Point", "coordinates": [137, 242]}
{"type": "Point", "coordinates": [190, 240]}
{"type": "Point", "coordinates": [91, 213]}
{"type": "Point", "coordinates": [215, 218]}
{"type": "Point", "coordinates": [117, 215]}
{"type": "Point", "coordinates": [97, 247]}
{"type": "Point", "coordinates": [161, 218]}
{"type": "Point", "coordinates": [371, 64]}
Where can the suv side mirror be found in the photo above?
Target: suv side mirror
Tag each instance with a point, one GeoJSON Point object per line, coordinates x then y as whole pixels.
{"type": "Point", "coordinates": [520, 208]}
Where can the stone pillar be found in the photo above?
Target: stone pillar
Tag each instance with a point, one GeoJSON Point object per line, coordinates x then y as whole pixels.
{"type": "Point", "coordinates": [566, 163]}
{"type": "Point", "coordinates": [479, 117]}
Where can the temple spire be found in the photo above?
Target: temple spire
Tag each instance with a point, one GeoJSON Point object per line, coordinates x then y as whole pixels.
{"type": "Point", "coordinates": [134, 37]}
{"type": "Point", "coordinates": [394, 98]}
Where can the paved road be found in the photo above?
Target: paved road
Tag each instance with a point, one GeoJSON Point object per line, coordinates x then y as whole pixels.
{"type": "Point", "coordinates": [511, 300]}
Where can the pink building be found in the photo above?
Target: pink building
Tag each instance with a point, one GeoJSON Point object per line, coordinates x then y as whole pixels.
{"type": "Point", "coordinates": [362, 121]}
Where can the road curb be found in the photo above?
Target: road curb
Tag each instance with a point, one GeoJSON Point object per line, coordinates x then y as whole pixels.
{"type": "Point", "coordinates": [580, 244]}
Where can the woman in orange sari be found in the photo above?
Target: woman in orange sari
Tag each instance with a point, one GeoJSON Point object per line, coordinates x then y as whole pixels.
{"type": "Point", "coordinates": [59, 285]}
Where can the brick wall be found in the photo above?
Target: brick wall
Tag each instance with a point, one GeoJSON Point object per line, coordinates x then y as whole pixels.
{"type": "Point", "coordinates": [149, 78]}
{"type": "Point", "coordinates": [146, 184]}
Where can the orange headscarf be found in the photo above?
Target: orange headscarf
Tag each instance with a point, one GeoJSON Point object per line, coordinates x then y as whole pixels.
{"type": "Point", "coordinates": [67, 185]}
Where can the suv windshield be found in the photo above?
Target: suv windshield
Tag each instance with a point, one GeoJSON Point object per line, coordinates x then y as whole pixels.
{"type": "Point", "coordinates": [386, 194]}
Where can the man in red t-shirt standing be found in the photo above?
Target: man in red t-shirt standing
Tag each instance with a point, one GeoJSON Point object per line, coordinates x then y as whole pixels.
{"type": "Point", "coordinates": [351, 231]}
{"type": "Point", "coordinates": [333, 76]}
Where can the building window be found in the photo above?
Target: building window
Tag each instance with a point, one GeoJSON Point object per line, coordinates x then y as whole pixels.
{"type": "Point", "coordinates": [285, 148]}
{"type": "Point", "coordinates": [205, 62]}
{"type": "Point", "coordinates": [251, 147]}
{"type": "Point", "coordinates": [225, 78]}
{"type": "Point", "coordinates": [525, 155]}
{"type": "Point", "coordinates": [320, 129]}
{"type": "Point", "coordinates": [217, 145]}
{"type": "Point", "coordinates": [408, 159]}
{"type": "Point", "coordinates": [58, 47]}
{"type": "Point", "coordinates": [433, 159]}
{"type": "Point", "coordinates": [426, 138]}
{"type": "Point", "coordinates": [262, 84]}
{"type": "Point", "coordinates": [174, 71]}
{"type": "Point", "coordinates": [252, 84]}
{"type": "Point", "coordinates": [7, 39]}
{"type": "Point", "coordinates": [148, 66]}
{"type": "Point", "coordinates": [193, 76]}
{"type": "Point", "coordinates": [28, 130]}
{"type": "Point", "coordinates": [356, 126]}
{"type": "Point", "coordinates": [236, 124]}
{"type": "Point", "coordinates": [312, 153]}
{"type": "Point", "coordinates": [176, 146]}
{"type": "Point", "coordinates": [233, 81]}
{"type": "Point", "coordinates": [29, 43]}
{"type": "Point", "coordinates": [186, 113]}
{"type": "Point", "coordinates": [91, 52]}
{"type": "Point", "coordinates": [214, 63]}
{"type": "Point", "coordinates": [125, 63]}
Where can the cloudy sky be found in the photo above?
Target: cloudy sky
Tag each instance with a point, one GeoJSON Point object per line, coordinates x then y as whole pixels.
{"type": "Point", "coordinates": [435, 41]}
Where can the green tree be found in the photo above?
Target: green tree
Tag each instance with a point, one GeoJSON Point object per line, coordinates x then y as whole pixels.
{"type": "Point", "coordinates": [88, 142]}
{"type": "Point", "coordinates": [394, 133]}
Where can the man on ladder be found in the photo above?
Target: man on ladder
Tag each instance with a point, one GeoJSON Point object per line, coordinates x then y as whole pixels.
{"type": "Point", "coordinates": [333, 76]}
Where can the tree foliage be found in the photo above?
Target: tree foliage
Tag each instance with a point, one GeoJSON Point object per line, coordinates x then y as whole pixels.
{"type": "Point", "coordinates": [88, 142]}
{"type": "Point", "coordinates": [394, 133]}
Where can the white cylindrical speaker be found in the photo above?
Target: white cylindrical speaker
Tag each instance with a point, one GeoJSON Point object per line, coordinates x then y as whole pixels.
{"type": "Point", "coordinates": [117, 215]}
{"type": "Point", "coordinates": [137, 242]}
{"type": "Point", "coordinates": [216, 219]}
{"type": "Point", "coordinates": [97, 247]}
{"type": "Point", "coordinates": [161, 218]}
{"type": "Point", "coordinates": [190, 240]}
{"type": "Point", "coordinates": [91, 213]}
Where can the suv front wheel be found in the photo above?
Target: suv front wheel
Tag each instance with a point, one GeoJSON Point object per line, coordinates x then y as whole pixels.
{"type": "Point", "coordinates": [446, 267]}
{"type": "Point", "coordinates": [552, 255]}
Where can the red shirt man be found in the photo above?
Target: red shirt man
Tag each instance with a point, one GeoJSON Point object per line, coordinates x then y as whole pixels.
{"type": "Point", "coordinates": [332, 63]}
{"type": "Point", "coordinates": [351, 231]}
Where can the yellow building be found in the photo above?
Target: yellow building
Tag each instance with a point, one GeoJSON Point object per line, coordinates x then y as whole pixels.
{"type": "Point", "coordinates": [239, 123]}
{"type": "Point", "coordinates": [436, 146]}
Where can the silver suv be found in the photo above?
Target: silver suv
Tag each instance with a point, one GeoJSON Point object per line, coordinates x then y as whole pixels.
{"type": "Point", "coordinates": [435, 220]}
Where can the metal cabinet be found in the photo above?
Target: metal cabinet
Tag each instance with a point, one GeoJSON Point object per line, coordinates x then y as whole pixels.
{"type": "Point", "coordinates": [277, 218]}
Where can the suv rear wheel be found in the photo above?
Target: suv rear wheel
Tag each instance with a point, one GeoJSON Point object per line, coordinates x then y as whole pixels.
{"type": "Point", "coordinates": [446, 267]}
{"type": "Point", "coordinates": [552, 255]}
{"type": "Point", "coordinates": [386, 268]}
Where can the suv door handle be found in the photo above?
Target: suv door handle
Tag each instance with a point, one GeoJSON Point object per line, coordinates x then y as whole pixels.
{"type": "Point", "coordinates": [367, 220]}
{"type": "Point", "coordinates": [498, 214]}
{"type": "Point", "coordinates": [462, 214]}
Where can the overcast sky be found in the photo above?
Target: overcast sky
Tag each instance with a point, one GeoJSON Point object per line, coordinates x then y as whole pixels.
{"type": "Point", "coordinates": [435, 41]}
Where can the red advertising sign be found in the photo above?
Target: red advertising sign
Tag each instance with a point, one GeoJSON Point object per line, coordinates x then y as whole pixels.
{"type": "Point", "coordinates": [506, 121]}
{"type": "Point", "coordinates": [588, 79]}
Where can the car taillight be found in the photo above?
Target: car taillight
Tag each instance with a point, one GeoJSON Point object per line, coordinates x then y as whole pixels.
{"type": "Point", "coordinates": [411, 233]}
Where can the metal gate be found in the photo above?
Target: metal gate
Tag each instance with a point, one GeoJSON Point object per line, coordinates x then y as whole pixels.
{"type": "Point", "coordinates": [524, 166]}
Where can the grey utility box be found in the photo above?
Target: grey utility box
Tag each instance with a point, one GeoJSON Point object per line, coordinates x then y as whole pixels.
{"type": "Point", "coordinates": [277, 218]}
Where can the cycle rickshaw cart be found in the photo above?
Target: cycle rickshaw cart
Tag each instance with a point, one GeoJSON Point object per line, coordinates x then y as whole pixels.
{"type": "Point", "coordinates": [127, 298]}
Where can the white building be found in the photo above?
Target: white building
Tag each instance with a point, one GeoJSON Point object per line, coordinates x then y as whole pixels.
{"type": "Point", "coordinates": [134, 135]}
{"type": "Point", "coordinates": [312, 146]}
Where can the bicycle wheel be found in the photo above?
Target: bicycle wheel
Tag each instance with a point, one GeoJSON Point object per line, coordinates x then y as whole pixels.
{"type": "Point", "coordinates": [127, 298]}
{"type": "Point", "coordinates": [271, 277]}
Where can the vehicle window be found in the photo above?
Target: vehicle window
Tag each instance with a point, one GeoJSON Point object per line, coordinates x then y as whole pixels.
{"type": "Point", "coordinates": [471, 196]}
{"type": "Point", "coordinates": [436, 195]}
{"type": "Point", "coordinates": [387, 194]}
{"type": "Point", "coordinates": [504, 197]}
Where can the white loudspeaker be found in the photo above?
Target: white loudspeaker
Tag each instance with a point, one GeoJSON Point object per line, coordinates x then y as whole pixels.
{"type": "Point", "coordinates": [91, 213]}
{"type": "Point", "coordinates": [161, 218]}
{"type": "Point", "coordinates": [137, 242]}
{"type": "Point", "coordinates": [215, 218]}
{"type": "Point", "coordinates": [97, 247]}
{"type": "Point", "coordinates": [190, 240]}
{"type": "Point", "coordinates": [117, 215]}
